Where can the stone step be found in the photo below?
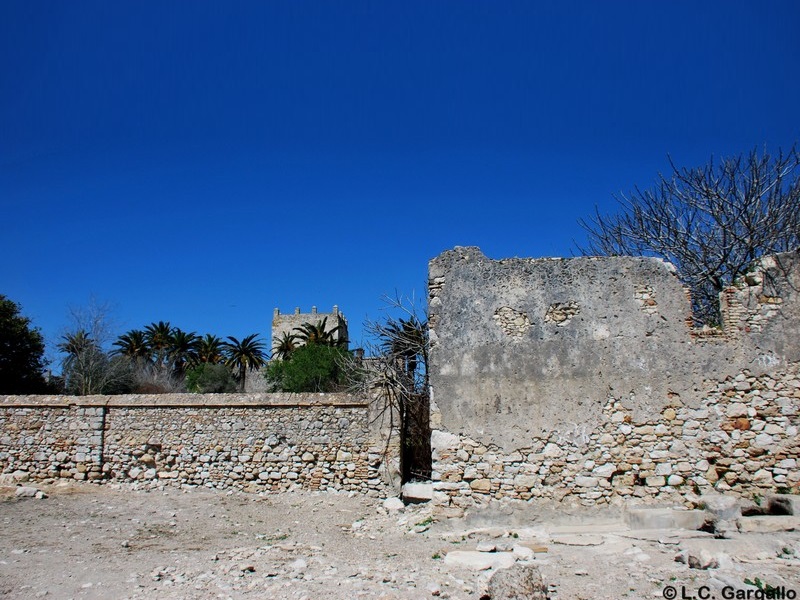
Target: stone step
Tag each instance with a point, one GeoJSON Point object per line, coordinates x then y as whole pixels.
{"type": "Point", "coordinates": [417, 492]}
{"type": "Point", "coordinates": [664, 518]}
{"type": "Point", "coordinates": [769, 523]}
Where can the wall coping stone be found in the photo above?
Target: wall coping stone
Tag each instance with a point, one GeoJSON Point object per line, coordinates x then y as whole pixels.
{"type": "Point", "coordinates": [234, 400]}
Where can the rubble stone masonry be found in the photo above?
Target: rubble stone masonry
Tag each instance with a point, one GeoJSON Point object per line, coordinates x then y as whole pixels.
{"type": "Point", "coordinates": [584, 380]}
{"type": "Point", "coordinates": [249, 441]}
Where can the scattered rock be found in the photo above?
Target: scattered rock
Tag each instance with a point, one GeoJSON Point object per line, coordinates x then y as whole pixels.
{"type": "Point", "coordinates": [523, 552]}
{"type": "Point", "coordinates": [393, 505]}
{"type": "Point", "coordinates": [298, 566]}
{"type": "Point", "coordinates": [519, 582]}
{"type": "Point", "coordinates": [25, 491]}
{"type": "Point", "coordinates": [434, 589]}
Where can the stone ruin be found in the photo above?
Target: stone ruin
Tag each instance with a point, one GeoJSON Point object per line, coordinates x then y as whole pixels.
{"type": "Point", "coordinates": [584, 379]}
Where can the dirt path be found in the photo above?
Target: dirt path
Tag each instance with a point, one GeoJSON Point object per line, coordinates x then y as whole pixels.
{"type": "Point", "coordinates": [89, 541]}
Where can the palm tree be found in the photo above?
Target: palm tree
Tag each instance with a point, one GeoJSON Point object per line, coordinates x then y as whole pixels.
{"type": "Point", "coordinates": [158, 337]}
{"type": "Point", "coordinates": [182, 350]}
{"type": "Point", "coordinates": [244, 355]}
{"type": "Point", "coordinates": [75, 343]}
{"type": "Point", "coordinates": [285, 345]}
{"type": "Point", "coordinates": [209, 350]}
{"type": "Point", "coordinates": [85, 368]}
{"type": "Point", "coordinates": [318, 333]}
{"type": "Point", "coordinates": [407, 341]}
{"type": "Point", "coordinates": [133, 345]}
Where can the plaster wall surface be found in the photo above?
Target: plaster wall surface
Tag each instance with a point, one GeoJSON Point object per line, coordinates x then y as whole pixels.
{"type": "Point", "coordinates": [585, 377]}
{"type": "Point", "coordinates": [524, 346]}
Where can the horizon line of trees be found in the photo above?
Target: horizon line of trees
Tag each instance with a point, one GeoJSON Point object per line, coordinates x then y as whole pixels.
{"type": "Point", "coordinates": [159, 358]}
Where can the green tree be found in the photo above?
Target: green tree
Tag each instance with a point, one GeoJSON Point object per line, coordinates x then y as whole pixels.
{"type": "Point", "coordinates": [21, 352]}
{"type": "Point", "coordinates": [244, 355]}
{"type": "Point", "coordinates": [311, 368]}
{"type": "Point", "coordinates": [182, 350]}
{"type": "Point", "coordinates": [711, 222]}
{"type": "Point", "coordinates": [210, 378]}
{"type": "Point", "coordinates": [158, 337]}
{"type": "Point", "coordinates": [133, 345]}
{"type": "Point", "coordinates": [318, 333]}
{"type": "Point", "coordinates": [210, 350]}
{"type": "Point", "coordinates": [285, 346]}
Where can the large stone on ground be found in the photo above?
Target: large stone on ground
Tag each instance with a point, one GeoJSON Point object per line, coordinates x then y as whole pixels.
{"type": "Point", "coordinates": [25, 491]}
{"type": "Point", "coordinates": [418, 492]}
{"type": "Point", "coordinates": [642, 517]}
{"type": "Point", "coordinates": [479, 561]}
{"type": "Point", "coordinates": [519, 582]}
{"type": "Point", "coordinates": [722, 508]}
{"type": "Point", "coordinates": [393, 504]}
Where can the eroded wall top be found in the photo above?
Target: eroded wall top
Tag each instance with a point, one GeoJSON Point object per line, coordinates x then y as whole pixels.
{"type": "Point", "coordinates": [522, 346]}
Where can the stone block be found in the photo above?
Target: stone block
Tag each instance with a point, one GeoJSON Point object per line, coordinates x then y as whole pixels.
{"type": "Point", "coordinates": [417, 492]}
{"type": "Point", "coordinates": [481, 485]}
{"type": "Point", "coordinates": [643, 517]}
{"type": "Point", "coordinates": [586, 482]}
{"type": "Point", "coordinates": [769, 523]}
{"type": "Point", "coordinates": [720, 507]}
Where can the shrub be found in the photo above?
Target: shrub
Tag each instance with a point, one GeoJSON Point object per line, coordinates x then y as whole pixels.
{"type": "Point", "coordinates": [311, 368]}
{"type": "Point", "coordinates": [207, 378]}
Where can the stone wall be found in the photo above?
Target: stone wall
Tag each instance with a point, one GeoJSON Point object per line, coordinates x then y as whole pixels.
{"type": "Point", "coordinates": [584, 379]}
{"type": "Point", "coordinates": [249, 441]}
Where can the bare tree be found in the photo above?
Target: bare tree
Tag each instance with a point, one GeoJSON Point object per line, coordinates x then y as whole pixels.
{"type": "Point", "coordinates": [711, 222]}
{"type": "Point", "coordinates": [395, 374]}
{"type": "Point", "coordinates": [87, 366]}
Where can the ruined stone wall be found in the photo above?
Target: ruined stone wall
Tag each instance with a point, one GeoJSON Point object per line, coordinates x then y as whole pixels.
{"type": "Point", "coordinates": [583, 379]}
{"type": "Point", "coordinates": [248, 441]}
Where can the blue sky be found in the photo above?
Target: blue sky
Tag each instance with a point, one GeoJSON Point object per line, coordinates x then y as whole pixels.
{"type": "Point", "coordinates": [206, 162]}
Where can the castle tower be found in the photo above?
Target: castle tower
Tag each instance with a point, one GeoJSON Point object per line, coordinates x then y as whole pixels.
{"type": "Point", "coordinates": [288, 323]}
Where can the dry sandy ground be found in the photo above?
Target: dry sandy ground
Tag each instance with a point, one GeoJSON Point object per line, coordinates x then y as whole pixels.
{"type": "Point", "coordinates": [87, 541]}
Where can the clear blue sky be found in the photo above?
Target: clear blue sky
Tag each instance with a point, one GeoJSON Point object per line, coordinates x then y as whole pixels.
{"type": "Point", "coordinates": [205, 162]}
